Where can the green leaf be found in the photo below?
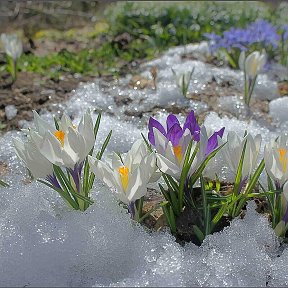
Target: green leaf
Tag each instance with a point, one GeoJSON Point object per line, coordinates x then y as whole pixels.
{"type": "Point", "coordinates": [173, 195]}
{"type": "Point", "coordinates": [169, 216]}
{"type": "Point", "coordinates": [62, 193]}
{"type": "Point", "coordinates": [199, 171]}
{"type": "Point", "coordinates": [97, 124]}
{"type": "Point", "coordinates": [3, 184]}
{"type": "Point", "coordinates": [56, 123]}
{"type": "Point", "coordinates": [199, 234]}
{"type": "Point", "coordinates": [149, 147]}
{"type": "Point", "coordinates": [104, 146]}
{"type": "Point", "coordinates": [219, 214]}
{"type": "Point", "coordinates": [185, 170]}
{"type": "Point", "coordinates": [238, 177]}
{"type": "Point", "coordinates": [251, 185]}
{"type": "Point", "coordinates": [253, 181]}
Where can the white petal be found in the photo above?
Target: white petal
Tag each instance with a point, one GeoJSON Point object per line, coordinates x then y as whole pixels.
{"type": "Point", "coordinates": [167, 166]}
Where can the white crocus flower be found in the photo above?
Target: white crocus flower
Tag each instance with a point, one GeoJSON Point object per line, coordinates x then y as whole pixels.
{"type": "Point", "coordinates": [170, 159]}
{"type": "Point", "coordinates": [233, 149]}
{"type": "Point", "coordinates": [276, 160]}
{"type": "Point", "coordinates": [129, 174]}
{"type": "Point", "coordinates": [12, 45]}
{"type": "Point", "coordinates": [183, 80]}
{"type": "Point", "coordinates": [67, 146]}
{"type": "Point", "coordinates": [38, 165]}
{"type": "Point", "coordinates": [253, 64]}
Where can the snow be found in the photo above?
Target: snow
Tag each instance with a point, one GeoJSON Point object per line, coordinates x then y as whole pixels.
{"type": "Point", "coordinates": [10, 111]}
{"type": "Point", "coordinates": [278, 109]}
{"type": "Point", "coordinates": [43, 243]}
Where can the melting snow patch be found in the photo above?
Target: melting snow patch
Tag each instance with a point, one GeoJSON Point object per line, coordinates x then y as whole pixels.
{"type": "Point", "coordinates": [43, 243]}
{"type": "Point", "coordinates": [278, 109]}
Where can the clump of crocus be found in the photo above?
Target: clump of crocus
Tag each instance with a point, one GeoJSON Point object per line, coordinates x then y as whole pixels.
{"type": "Point", "coordinates": [13, 49]}
{"type": "Point", "coordinates": [128, 175]}
{"type": "Point", "coordinates": [233, 150]}
{"type": "Point", "coordinates": [251, 65]}
{"type": "Point", "coordinates": [171, 144]}
{"type": "Point", "coordinates": [56, 155]}
{"type": "Point", "coordinates": [182, 154]}
{"type": "Point", "coordinates": [183, 80]}
{"type": "Point", "coordinates": [276, 164]}
{"type": "Point", "coordinates": [241, 155]}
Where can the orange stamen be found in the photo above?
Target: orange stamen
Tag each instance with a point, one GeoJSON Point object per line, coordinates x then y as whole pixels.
{"type": "Point", "coordinates": [124, 176]}
{"type": "Point", "coordinates": [283, 160]}
{"type": "Point", "coordinates": [60, 135]}
{"type": "Point", "coordinates": [178, 153]}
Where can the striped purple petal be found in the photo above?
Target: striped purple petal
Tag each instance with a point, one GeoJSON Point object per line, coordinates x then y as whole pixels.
{"type": "Point", "coordinates": [153, 123]}
{"type": "Point", "coordinates": [174, 134]}
{"type": "Point", "coordinates": [192, 125]}
{"type": "Point", "coordinates": [213, 141]}
{"type": "Point", "coordinates": [171, 120]}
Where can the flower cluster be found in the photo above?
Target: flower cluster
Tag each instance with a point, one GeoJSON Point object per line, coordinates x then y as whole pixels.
{"type": "Point", "coordinates": [51, 150]}
{"type": "Point", "coordinates": [171, 144]}
{"type": "Point", "coordinates": [61, 157]}
{"type": "Point", "coordinates": [128, 174]}
{"type": "Point", "coordinates": [260, 31]}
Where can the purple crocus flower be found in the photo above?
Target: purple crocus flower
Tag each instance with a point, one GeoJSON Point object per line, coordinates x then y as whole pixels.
{"type": "Point", "coordinates": [174, 131]}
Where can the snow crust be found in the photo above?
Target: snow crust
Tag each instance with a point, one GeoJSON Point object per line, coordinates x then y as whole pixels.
{"type": "Point", "coordinates": [43, 243]}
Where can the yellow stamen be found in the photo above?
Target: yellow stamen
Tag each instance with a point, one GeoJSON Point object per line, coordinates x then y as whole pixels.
{"type": "Point", "coordinates": [283, 159]}
{"type": "Point", "coordinates": [60, 135]}
{"type": "Point", "coordinates": [178, 153]}
{"type": "Point", "coordinates": [124, 176]}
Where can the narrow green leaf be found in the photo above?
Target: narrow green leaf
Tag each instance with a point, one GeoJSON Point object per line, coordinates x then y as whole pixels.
{"type": "Point", "coordinates": [184, 173]}
{"type": "Point", "coordinates": [63, 194]}
{"type": "Point", "coordinates": [204, 199]}
{"type": "Point", "coordinates": [97, 124]}
{"type": "Point", "coordinates": [219, 214]}
{"type": "Point", "coordinates": [165, 193]}
{"type": "Point", "coordinates": [172, 182]}
{"type": "Point", "coordinates": [172, 220]}
{"type": "Point", "coordinates": [104, 146]}
{"type": "Point", "coordinates": [56, 123]}
{"type": "Point", "coordinates": [238, 177]}
{"type": "Point", "coordinates": [253, 181]}
{"type": "Point", "coordinates": [3, 184]}
{"type": "Point", "coordinates": [199, 234]}
{"type": "Point", "coordinates": [149, 147]}
{"type": "Point", "coordinates": [199, 171]}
